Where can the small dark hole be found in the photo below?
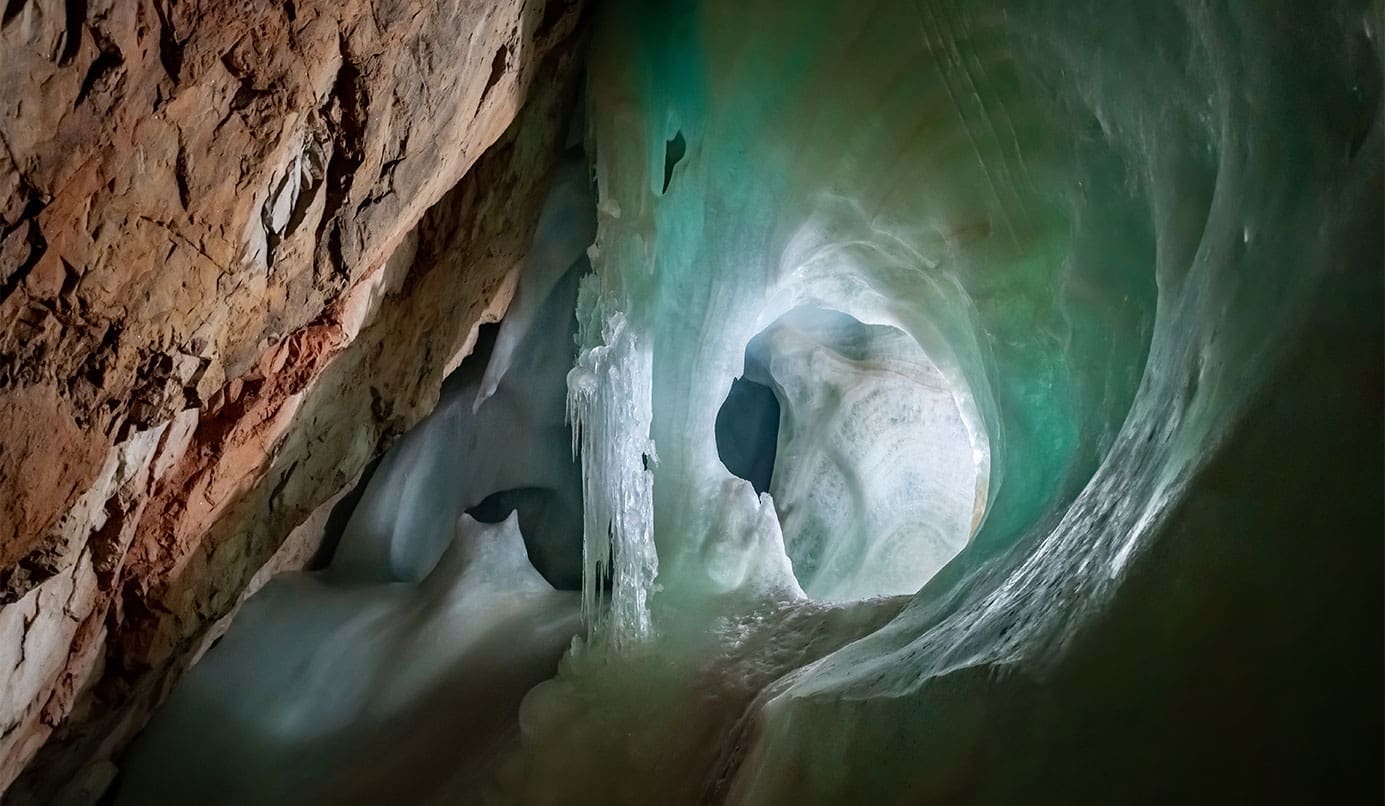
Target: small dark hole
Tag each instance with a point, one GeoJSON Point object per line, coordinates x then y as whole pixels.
{"type": "Point", "coordinates": [498, 65]}
{"type": "Point", "coordinates": [674, 150]}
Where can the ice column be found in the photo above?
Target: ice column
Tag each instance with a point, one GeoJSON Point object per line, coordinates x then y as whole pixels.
{"type": "Point", "coordinates": [610, 407]}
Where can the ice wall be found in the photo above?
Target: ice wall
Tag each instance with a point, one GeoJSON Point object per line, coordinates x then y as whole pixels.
{"type": "Point", "coordinates": [1142, 243]}
{"type": "Point", "coordinates": [833, 163]}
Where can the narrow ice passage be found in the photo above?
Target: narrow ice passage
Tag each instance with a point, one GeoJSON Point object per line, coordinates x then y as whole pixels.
{"type": "Point", "coordinates": [369, 681]}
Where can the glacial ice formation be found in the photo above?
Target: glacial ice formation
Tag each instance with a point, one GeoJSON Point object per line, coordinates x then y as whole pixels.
{"type": "Point", "coordinates": [1099, 403]}
{"type": "Point", "coordinates": [1140, 243]}
{"type": "Point", "coordinates": [332, 692]}
{"type": "Point", "coordinates": [466, 452]}
{"type": "Point", "coordinates": [566, 227]}
{"type": "Point", "coordinates": [425, 620]}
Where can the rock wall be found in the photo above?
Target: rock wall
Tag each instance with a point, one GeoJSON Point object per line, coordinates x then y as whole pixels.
{"type": "Point", "coordinates": [235, 260]}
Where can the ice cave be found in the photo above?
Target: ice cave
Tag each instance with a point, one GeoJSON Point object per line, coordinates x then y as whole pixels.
{"type": "Point", "coordinates": [696, 401]}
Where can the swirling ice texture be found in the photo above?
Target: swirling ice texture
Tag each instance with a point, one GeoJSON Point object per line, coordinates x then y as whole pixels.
{"type": "Point", "coordinates": [1144, 240]}
{"type": "Point", "coordinates": [888, 166]}
{"type": "Point", "coordinates": [876, 476]}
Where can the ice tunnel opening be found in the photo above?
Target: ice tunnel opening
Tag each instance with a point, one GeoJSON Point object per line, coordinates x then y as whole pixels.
{"type": "Point", "coordinates": [860, 440]}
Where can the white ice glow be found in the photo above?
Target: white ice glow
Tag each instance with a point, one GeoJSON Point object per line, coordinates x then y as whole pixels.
{"type": "Point", "coordinates": [875, 479]}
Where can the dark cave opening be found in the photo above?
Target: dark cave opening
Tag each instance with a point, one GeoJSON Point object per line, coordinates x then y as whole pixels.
{"type": "Point", "coordinates": [747, 432]}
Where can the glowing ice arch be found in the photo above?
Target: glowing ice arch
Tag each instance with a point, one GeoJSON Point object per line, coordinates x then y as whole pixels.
{"type": "Point", "coordinates": [819, 166]}
{"type": "Point", "coordinates": [1057, 167]}
{"type": "Point", "coordinates": [876, 481]}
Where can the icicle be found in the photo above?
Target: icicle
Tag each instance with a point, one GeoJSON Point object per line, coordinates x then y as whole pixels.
{"type": "Point", "coordinates": [610, 407]}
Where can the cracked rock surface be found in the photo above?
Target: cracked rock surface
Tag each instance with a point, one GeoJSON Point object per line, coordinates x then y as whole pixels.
{"type": "Point", "coordinates": [221, 226]}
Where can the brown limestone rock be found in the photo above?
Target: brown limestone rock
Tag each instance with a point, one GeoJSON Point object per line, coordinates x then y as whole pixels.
{"type": "Point", "coordinates": [218, 303]}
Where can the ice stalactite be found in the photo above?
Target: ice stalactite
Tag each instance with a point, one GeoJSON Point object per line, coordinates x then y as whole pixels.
{"type": "Point", "coordinates": [609, 408]}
